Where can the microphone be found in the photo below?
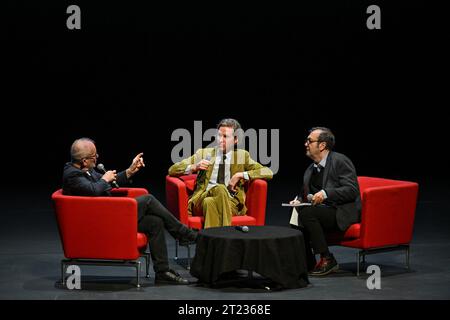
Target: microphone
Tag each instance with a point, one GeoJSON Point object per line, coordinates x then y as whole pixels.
{"type": "Point", "coordinates": [242, 228]}
{"type": "Point", "coordinates": [203, 172]}
{"type": "Point", "coordinates": [309, 197]}
{"type": "Point", "coordinates": [101, 167]}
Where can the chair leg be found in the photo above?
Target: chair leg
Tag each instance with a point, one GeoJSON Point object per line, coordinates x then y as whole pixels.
{"type": "Point", "coordinates": [188, 267]}
{"type": "Point", "coordinates": [176, 249]}
{"type": "Point", "coordinates": [63, 277]}
{"type": "Point", "coordinates": [138, 274]}
{"type": "Point", "coordinates": [146, 256]}
{"type": "Point", "coordinates": [358, 262]}
{"type": "Point", "coordinates": [148, 265]}
{"type": "Point", "coordinates": [407, 258]}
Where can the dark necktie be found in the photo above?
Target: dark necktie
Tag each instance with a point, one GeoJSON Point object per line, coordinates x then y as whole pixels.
{"type": "Point", "coordinates": [221, 173]}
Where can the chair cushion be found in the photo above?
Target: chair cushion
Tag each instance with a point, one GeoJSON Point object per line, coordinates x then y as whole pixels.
{"type": "Point", "coordinates": [197, 222]}
{"type": "Point", "coordinates": [189, 181]}
{"type": "Point", "coordinates": [353, 232]}
{"type": "Point", "coordinates": [141, 241]}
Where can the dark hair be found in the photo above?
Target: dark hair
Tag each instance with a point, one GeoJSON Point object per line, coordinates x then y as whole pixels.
{"type": "Point", "coordinates": [230, 123]}
{"type": "Point", "coordinates": [325, 136]}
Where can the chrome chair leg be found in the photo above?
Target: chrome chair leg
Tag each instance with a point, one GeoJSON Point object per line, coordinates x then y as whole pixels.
{"type": "Point", "coordinates": [147, 267]}
{"type": "Point", "coordinates": [63, 277]}
{"type": "Point", "coordinates": [188, 267]}
{"type": "Point", "coordinates": [358, 262]}
{"type": "Point", "coordinates": [138, 274]}
{"type": "Point", "coordinates": [407, 258]}
{"type": "Point", "coordinates": [176, 249]}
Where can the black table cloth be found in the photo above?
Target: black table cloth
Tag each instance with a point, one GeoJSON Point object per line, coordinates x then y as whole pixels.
{"type": "Point", "coordinates": [277, 253]}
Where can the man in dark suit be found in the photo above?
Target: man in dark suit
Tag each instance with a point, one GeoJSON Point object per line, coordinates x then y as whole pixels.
{"type": "Point", "coordinates": [80, 179]}
{"type": "Point", "coordinates": [330, 184]}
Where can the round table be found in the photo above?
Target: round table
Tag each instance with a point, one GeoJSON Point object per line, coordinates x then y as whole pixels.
{"type": "Point", "coordinates": [277, 253]}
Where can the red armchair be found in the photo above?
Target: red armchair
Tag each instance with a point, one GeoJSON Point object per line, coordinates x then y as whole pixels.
{"type": "Point", "coordinates": [387, 218]}
{"type": "Point", "coordinates": [178, 190]}
{"type": "Point", "coordinates": [101, 230]}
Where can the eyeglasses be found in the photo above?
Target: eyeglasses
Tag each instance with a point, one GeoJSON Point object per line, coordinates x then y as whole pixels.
{"type": "Point", "coordinates": [309, 141]}
{"type": "Point", "coordinates": [92, 157]}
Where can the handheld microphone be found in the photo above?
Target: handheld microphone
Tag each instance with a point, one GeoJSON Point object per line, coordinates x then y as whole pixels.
{"type": "Point", "coordinates": [203, 172]}
{"type": "Point", "coordinates": [101, 167]}
{"type": "Point", "coordinates": [242, 228]}
{"type": "Point", "coordinates": [309, 197]}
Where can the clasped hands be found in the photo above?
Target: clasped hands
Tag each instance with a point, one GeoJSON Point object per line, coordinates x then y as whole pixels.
{"type": "Point", "coordinates": [232, 185]}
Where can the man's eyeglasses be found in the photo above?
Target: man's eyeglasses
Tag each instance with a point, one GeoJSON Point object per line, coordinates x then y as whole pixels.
{"type": "Point", "coordinates": [309, 141]}
{"type": "Point", "coordinates": [92, 157]}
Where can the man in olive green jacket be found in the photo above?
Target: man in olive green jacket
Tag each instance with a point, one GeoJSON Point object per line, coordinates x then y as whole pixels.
{"type": "Point", "coordinates": [219, 192]}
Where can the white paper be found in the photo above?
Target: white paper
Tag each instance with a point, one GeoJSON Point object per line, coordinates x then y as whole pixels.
{"type": "Point", "coordinates": [294, 217]}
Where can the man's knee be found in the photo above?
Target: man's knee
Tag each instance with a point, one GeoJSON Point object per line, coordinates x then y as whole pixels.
{"type": "Point", "coordinates": [306, 214]}
{"type": "Point", "coordinates": [151, 224]}
{"type": "Point", "coordinates": [221, 190]}
{"type": "Point", "coordinates": [208, 203]}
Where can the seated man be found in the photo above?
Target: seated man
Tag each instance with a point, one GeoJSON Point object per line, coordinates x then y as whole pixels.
{"type": "Point", "coordinates": [219, 192]}
{"type": "Point", "coordinates": [80, 179]}
{"type": "Point", "coordinates": [331, 185]}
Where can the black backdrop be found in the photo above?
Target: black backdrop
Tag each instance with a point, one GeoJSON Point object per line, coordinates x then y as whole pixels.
{"type": "Point", "coordinates": [135, 72]}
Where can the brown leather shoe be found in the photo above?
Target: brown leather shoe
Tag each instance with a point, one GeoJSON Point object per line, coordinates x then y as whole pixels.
{"type": "Point", "coordinates": [325, 266]}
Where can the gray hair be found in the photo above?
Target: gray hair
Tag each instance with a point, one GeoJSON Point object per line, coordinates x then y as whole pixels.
{"type": "Point", "coordinates": [78, 150]}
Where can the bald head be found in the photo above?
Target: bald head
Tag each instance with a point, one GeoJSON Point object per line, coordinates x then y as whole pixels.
{"type": "Point", "coordinates": [82, 148]}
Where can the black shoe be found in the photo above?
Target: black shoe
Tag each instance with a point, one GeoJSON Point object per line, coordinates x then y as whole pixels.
{"type": "Point", "coordinates": [170, 277]}
{"type": "Point", "coordinates": [325, 266]}
{"type": "Point", "coordinates": [187, 237]}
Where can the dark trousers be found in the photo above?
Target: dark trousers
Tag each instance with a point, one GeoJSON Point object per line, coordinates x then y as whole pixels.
{"type": "Point", "coordinates": [153, 218]}
{"type": "Point", "coordinates": [315, 222]}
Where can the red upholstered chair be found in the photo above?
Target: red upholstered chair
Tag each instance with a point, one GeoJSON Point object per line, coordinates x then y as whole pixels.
{"type": "Point", "coordinates": [101, 230]}
{"type": "Point", "coordinates": [178, 190]}
{"type": "Point", "coordinates": [387, 218]}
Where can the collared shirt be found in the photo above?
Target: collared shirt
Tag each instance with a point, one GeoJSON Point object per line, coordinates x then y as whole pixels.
{"type": "Point", "coordinates": [215, 172]}
{"type": "Point", "coordinates": [213, 179]}
{"type": "Point", "coordinates": [321, 165]}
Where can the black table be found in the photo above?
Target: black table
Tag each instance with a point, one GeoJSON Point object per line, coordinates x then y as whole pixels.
{"type": "Point", "coordinates": [277, 253]}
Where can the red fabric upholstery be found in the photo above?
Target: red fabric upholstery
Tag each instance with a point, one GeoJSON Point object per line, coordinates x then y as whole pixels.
{"type": "Point", "coordinates": [178, 190]}
{"type": "Point", "coordinates": [100, 227]}
{"type": "Point", "coordinates": [387, 216]}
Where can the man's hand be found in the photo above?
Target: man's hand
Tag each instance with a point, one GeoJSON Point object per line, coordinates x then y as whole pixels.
{"type": "Point", "coordinates": [201, 165]}
{"type": "Point", "coordinates": [295, 202]}
{"type": "Point", "coordinates": [318, 198]}
{"type": "Point", "coordinates": [136, 165]}
{"type": "Point", "coordinates": [232, 185]}
{"type": "Point", "coordinates": [110, 176]}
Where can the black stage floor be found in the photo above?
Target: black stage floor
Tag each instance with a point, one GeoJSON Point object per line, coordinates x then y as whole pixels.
{"type": "Point", "coordinates": [30, 253]}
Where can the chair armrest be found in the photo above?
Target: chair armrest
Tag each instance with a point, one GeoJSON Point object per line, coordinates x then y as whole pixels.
{"type": "Point", "coordinates": [128, 192]}
{"type": "Point", "coordinates": [97, 227]}
{"type": "Point", "coordinates": [177, 198]}
{"type": "Point", "coordinates": [387, 216]}
{"type": "Point", "coordinates": [256, 197]}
